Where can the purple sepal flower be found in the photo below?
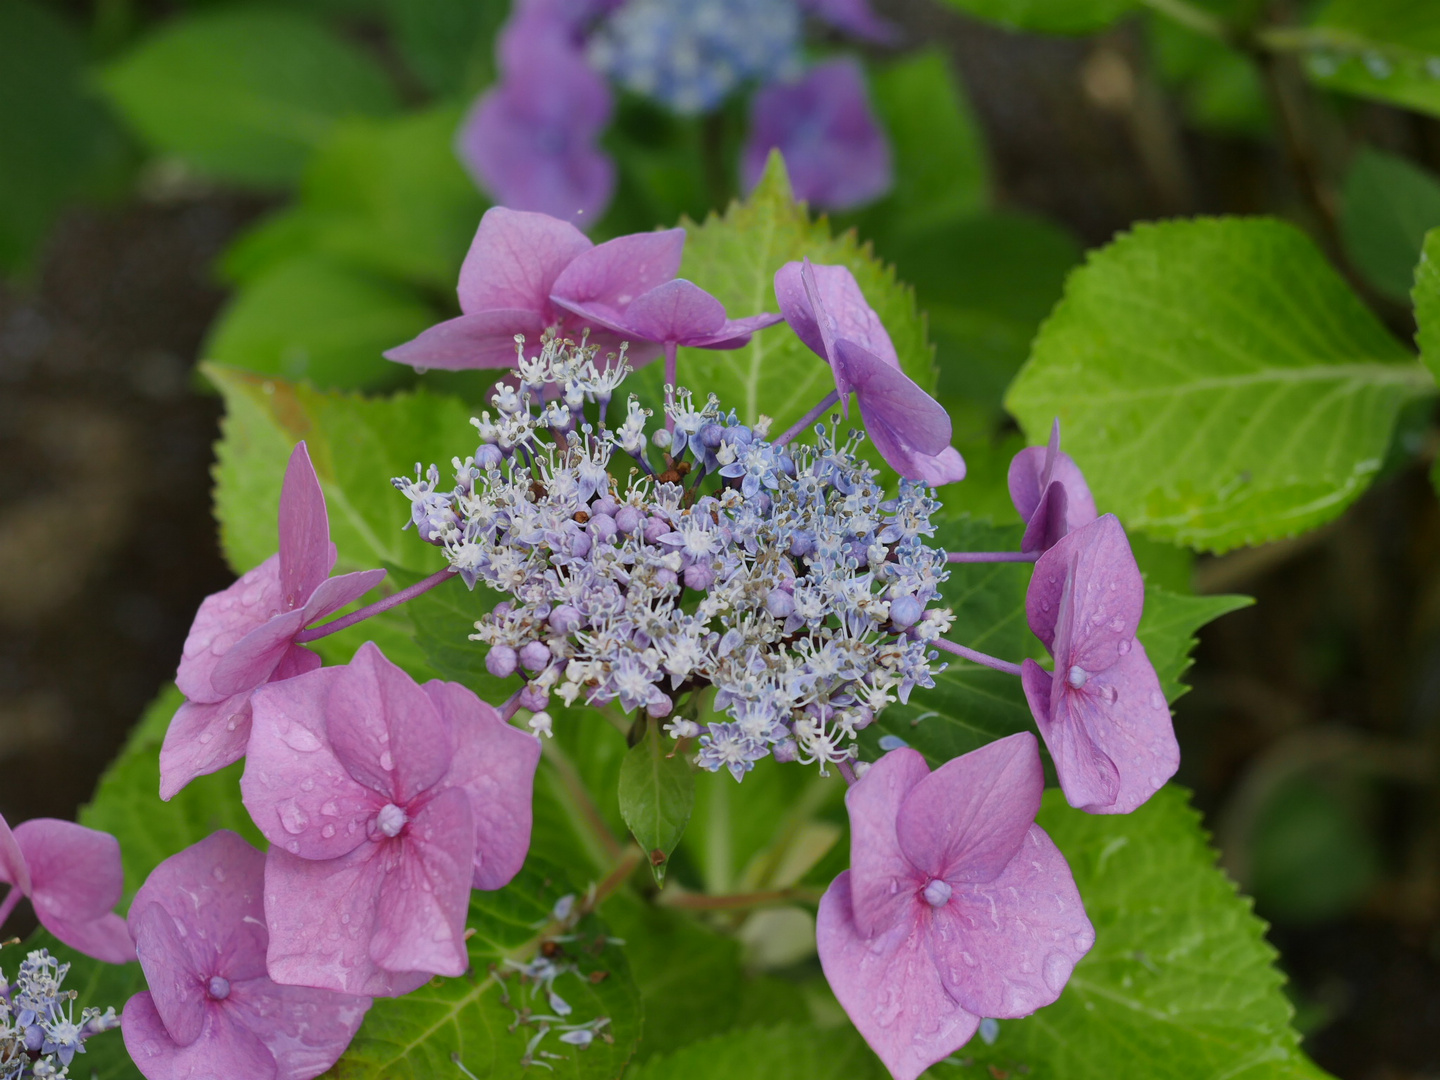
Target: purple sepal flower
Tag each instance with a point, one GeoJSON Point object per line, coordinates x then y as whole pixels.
{"type": "Point", "coordinates": [504, 290]}
{"type": "Point", "coordinates": [1050, 493]}
{"type": "Point", "coordinates": [854, 17]}
{"type": "Point", "coordinates": [211, 1009]}
{"type": "Point", "coordinates": [956, 905]}
{"type": "Point", "coordinates": [827, 310]}
{"type": "Point", "coordinates": [835, 151]}
{"type": "Point", "coordinates": [628, 285]}
{"type": "Point", "coordinates": [1101, 713]}
{"type": "Point", "coordinates": [73, 879]}
{"type": "Point", "coordinates": [244, 636]}
{"type": "Point", "coordinates": [384, 801]}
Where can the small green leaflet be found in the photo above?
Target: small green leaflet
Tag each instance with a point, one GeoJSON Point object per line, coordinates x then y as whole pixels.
{"type": "Point", "coordinates": [1386, 208]}
{"type": "Point", "coordinates": [245, 93]}
{"type": "Point", "coordinates": [657, 793]}
{"type": "Point", "coordinates": [1217, 381]}
{"type": "Point", "coordinates": [735, 257]}
{"type": "Point", "coordinates": [1181, 983]}
{"type": "Point", "coordinates": [1049, 16]}
{"type": "Point", "coordinates": [784, 1052]}
{"type": "Point", "coordinates": [471, 1020]}
{"type": "Point", "coordinates": [1383, 49]}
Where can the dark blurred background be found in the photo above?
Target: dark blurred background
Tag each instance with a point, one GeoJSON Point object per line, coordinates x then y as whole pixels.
{"type": "Point", "coordinates": [1312, 734]}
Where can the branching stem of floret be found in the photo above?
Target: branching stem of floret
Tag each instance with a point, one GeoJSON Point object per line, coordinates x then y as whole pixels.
{"type": "Point", "coordinates": [847, 772]}
{"type": "Point", "coordinates": [393, 600]}
{"type": "Point", "coordinates": [830, 400]}
{"type": "Point", "coordinates": [992, 556]}
{"type": "Point", "coordinates": [978, 657]}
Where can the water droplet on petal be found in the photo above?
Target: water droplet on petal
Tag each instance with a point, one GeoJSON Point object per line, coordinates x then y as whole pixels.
{"type": "Point", "coordinates": [308, 784]}
{"type": "Point", "coordinates": [328, 831]}
{"type": "Point", "coordinates": [300, 738]}
{"type": "Point", "coordinates": [1157, 699]}
{"type": "Point", "coordinates": [1124, 647]}
{"type": "Point", "coordinates": [293, 817]}
{"type": "Point", "coordinates": [1110, 694]}
{"type": "Point", "coordinates": [386, 761]}
{"type": "Point", "coordinates": [1056, 971]}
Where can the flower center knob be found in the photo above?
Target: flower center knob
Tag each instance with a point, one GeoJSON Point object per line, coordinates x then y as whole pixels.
{"type": "Point", "coordinates": [1078, 677]}
{"type": "Point", "coordinates": [392, 819]}
{"type": "Point", "coordinates": [219, 987]}
{"type": "Point", "coordinates": [937, 893]}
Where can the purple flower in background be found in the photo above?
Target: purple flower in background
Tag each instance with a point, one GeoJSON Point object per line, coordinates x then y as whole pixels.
{"type": "Point", "coordinates": [827, 310]}
{"type": "Point", "coordinates": [1050, 493]}
{"type": "Point", "coordinates": [822, 124]}
{"type": "Point", "coordinates": [505, 284]}
{"type": "Point", "coordinates": [854, 17]}
{"type": "Point", "coordinates": [384, 802]}
{"type": "Point", "coordinates": [1101, 713]}
{"type": "Point", "coordinates": [73, 878]}
{"type": "Point", "coordinates": [245, 635]}
{"type": "Point", "coordinates": [211, 1009]}
{"type": "Point", "coordinates": [956, 906]}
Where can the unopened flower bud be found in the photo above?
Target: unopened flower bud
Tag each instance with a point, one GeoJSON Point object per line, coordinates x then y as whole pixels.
{"type": "Point", "coordinates": [699, 577]}
{"type": "Point", "coordinates": [905, 611]}
{"type": "Point", "coordinates": [604, 505]}
{"type": "Point", "coordinates": [659, 706]}
{"type": "Point", "coordinates": [501, 661]}
{"type": "Point", "coordinates": [780, 603]}
{"type": "Point", "coordinates": [488, 457]}
{"type": "Point", "coordinates": [534, 698]}
{"type": "Point", "coordinates": [565, 619]}
{"type": "Point", "coordinates": [602, 528]}
{"type": "Point", "coordinates": [534, 656]}
{"type": "Point", "coordinates": [785, 751]}
{"type": "Point", "coordinates": [711, 435]}
{"type": "Point", "coordinates": [628, 519]}
{"type": "Point", "coordinates": [666, 577]}
{"type": "Point", "coordinates": [655, 528]}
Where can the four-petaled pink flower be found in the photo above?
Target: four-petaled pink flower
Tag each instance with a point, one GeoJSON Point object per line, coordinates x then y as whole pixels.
{"type": "Point", "coordinates": [956, 906]}
{"type": "Point", "coordinates": [1050, 493]}
{"type": "Point", "coordinates": [211, 1010]}
{"type": "Point", "coordinates": [827, 310]}
{"type": "Point", "coordinates": [384, 802]}
{"type": "Point", "coordinates": [1101, 713]}
{"type": "Point", "coordinates": [506, 282]}
{"type": "Point", "coordinates": [835, 152]}
{"type": "Point", "coordinates": [245, 636]}
{"type": "Point", "coordinates": [73, 878]}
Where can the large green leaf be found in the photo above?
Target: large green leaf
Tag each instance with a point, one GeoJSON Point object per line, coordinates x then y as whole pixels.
{"type": "Point", "coordinates": [1383, 49]}
{"type": "Point", "coordinates": [1168, 626]}
{"type": "Point", "coordinates": [245, 93]}
{"type": "Point", "coordinates": [784, 1052]}
{"type": "Point", "coordinates": [472, 1020]}
{"type": "Point", "coordinates": [735, 257]}
{"type": "Point", "coordinates": [1426, 296]}
{"type": "Point", "coordinates": [1386, 208]}
{"type": "Point", "coordinates": [657, 793]}
{"type": "Point", "coordinates": [1180, 984]}
{"type": "Point", "coordinates": [1217, 381]}
{"type": "Point", "coordinates": [1049, 16]}
{"type": "Point", "coordinates": [447, 43]}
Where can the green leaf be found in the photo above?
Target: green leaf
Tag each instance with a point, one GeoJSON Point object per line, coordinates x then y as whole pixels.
{"type": "Point", "coordinates": [447, 43]}
{"type": "Point", "coordinates": [317, 319]}
{"type": "Point", "coordinates": [1180, 983]}
{"type": "Point", "coordinates": [735, 257]}
{"type": "Point", "coordinates": [1219, 88]}
{"type": "Point", "coordinates": [1168, 626]}
{"type": "Point", "coordinates": [783, 1052]}
{"type": "Point", "coordinates": [1217, 381]}
{"type": "Point", "coordinates": [1386, 207]}
{"type": "Point", "coordinates": [1049, 16]}
{"type": "Point", "coordinates": [443, 620]}
{"type": "Point", "coordinates": [244, 94]}
{"type": "Point", "coordinates": [471, 1020]}
{"type": "Point", "coordinates": [657, 793]}
{"type": "Point", "coordinates": [1388, 50]}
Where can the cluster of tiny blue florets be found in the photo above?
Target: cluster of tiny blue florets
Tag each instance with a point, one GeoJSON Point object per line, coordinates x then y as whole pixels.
{"type": "Point", "coordinates": [39, 1033]}
{"type": "Point", "coordinates": [690, 54]}
{"type": "Point", "coordinates": [794, 586]}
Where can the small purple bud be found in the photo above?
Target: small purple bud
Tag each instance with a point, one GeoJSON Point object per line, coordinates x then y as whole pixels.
{"type": "Point", "coordinates": [604, 505]}
{"type": "Point", "coordinates": [937, 893]}
{"type": "Point", "coordinates": [489, 457]}
{"type": "Point", "coordinates": [533, 698]}
{"type": "Point", "coordinates": [699, 576]}
{"type": "Point", "coordinates": [905, 611]}
{"type": "Point", "coordinates": [501, 661]}
{"type": "Point", "coordinates": [666, 577]}
{"type": "Point", "coordinates": [655, 528]}
{"type": "Point", "coordinates": [780, 603]}
{"type": "Point", "coordinates": [602, 528]}
{"type": "Point", "coordinates": [785, 751]}
{"type": "Point", "coordinates": [659, 706]}
{"type": "Point", "coordinates": [218, 987]}
{"type": "Point", "coordinates": [534, 656]}
{"type": "Point", "coordinates": [711, 435]}
{"type": "Point", "coordinates": [802, 544]}
{"type": "Point", "coordinates": [628, 519]}
{"type": "Point", "coordinates": [861, 716]}
{"type": "Point", "coordinates": [503, 608]}
{"type": "Point", "coordinates": [566, 619]}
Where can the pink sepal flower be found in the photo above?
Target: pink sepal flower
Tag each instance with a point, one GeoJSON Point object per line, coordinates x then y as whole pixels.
{"type": "Point", "coordinates": [385, 801]}
{"type": "Point", "coordinates": [73, 878]}
{"type": "Point", "coordinates": [1049, 493]}
{"type": "Point", "coordinates": [211, 1009]}
{"type": "Point", "coordinates": [956, 906]}
{"type": "Point", "coordinates": [244, 636]}
{"type": "Point", "coordinates": [1102, 713]}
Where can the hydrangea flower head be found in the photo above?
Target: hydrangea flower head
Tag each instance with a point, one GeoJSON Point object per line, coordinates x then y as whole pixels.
{"type": "Point", "coordinates": [384, 801]}
{"type": "Point", "coordinates": [827, 310]}
{"type": "Point", "coordinates": [39, 1033]}
{"type": "Point", "coordinates": [1101, 713]}
{"type": "Point", "coordinates": [245, 635]}
{"type": "Point", "coordinates": [957, 906]}
{"type": "Point", "coordinates": [73, 878]}
{"type": "Point", "coordinates": [835, 152]}
{"type": "Point", "coordinates": [211, 1009]}
{"type": "Point", "coordinates": [1049, 492]}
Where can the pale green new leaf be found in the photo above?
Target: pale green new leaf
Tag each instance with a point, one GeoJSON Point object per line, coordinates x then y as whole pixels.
{"type": "Point", "coordinates": [735, 258]}
{"type": "Point", "coordinates": [1217, 381]}
{"type": "Point", "coordinates": [1388, 50]}
{"type": "Point", "coordinates": [1049, 16]}
{"type": "Point", "coordinates": [657, 793]}
{"type": "Point", "coordinates": [1386, 208]}
{"type": "Point", "coordinates": [245, 93]}
{"type": "Point", "coordinates": [784, 1052]}
{"type": "Point", "coordinates": [1181, 982]}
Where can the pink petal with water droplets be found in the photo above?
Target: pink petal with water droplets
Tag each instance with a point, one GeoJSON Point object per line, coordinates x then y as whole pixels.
{"type": "Point", "coordinates": [1108, 595]}
{"type": "Point", "coordinates": [736, 333]}
{"type": "Point", "coordinates": [305, 1030]}
{"type": "Point", "coordinates": [336, 592]}
{"type": "Point", "coordinates": [300, 795]}
{"type": "Point", "coordinates": [177, 980]}
{"type": "Point", "coordinates": [306, 554]}
{"type": "Point", "coordinates": [76, 879]}
{"type": "Point", "coordinates": [946, 467]}
{"type": "Point", "coordinates": [203, 738]}
{"type": "Point", "coordinates": [495, 764]}
{"type": "Point", "coordinates": [889, 987]}
{"type": "Point", "coordinates": [1088, 777]}
{"type": "Point", "coordinates": [513, 263]}
{"type": "Point", "coordinates": [965, 821]}
{"type": "Point", "coordinates": [882, 880]}
{"type": "Point", "coordinates": [223, 620]}
{"type": "Point", "coordinates": [615, 273]}
{"type": "Point", "coordinates": [1006, 948]}
{"type": "Point", "coordinates": [841, 299]}
{"type": "Point", "coordinates": [1027, 472]}
{"type": "Point", "coordinates": [12, 860]}
{"type": "Point", "coordinates": [224, 1050]}
{"type": "Point", "coordinates": [678, 310]}
{"type": "Point", "coordinates": [253, 659]}
{"type": "Point", "coordinates": [485, 339]}
{"type": "Point", "coordinates": [891, 401]}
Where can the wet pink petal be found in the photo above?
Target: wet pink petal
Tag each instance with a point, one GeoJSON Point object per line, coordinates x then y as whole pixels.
{"type": "Point", "coordinates": [223, 1050]}
{"type": "Point", "coordinates": [483, 340]}
{"type": "Point", "coordinates": [334, 593]}
{"type": "Point", "coordinates": [75, 880]}
{"type": "Point", "coordinates": [842, 312]}
{"type": "Point", "coordinates": [13, 869]}
{"type": "Point", "coordinates": [223, 619]}
{"type": "Point", "coordinates": [908, 417]}
{"type": "Point", "coordinates": [495, 764]}
{"type": "Point", "coordinates": [253, 659]}
{"type": "Point", "coordinates": [678, 310]}
{"type": "Point", "coordinates": [305, 1030]}
{"type": "Point", "coordinates": [1034, 473]}
{"type": "Point", "coordinates": [1049, 523]}
{"type": "Point", "coordinates": [105, 938]}
{"type": "Point", "coordinates": [306, 554]}
{"type": "Point", "coordinates": [203, 738]}
{"type": "Point", "coordinates": [613, 274]}
{"type": "Point", "coordinates": [736, 333]}
{"type": "Point", "coordinates": [176, 977]}
{"type": "Point", "coordinates": [946, 467]}
{"type": "Point", "coordinates": [889, 987]}
{"type": "Point", "coordinates": [513, 262]}
{"type": "Point", "coordinates": [1108, 599]}
{"type": "Point", "coordinates": [876, 860]}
